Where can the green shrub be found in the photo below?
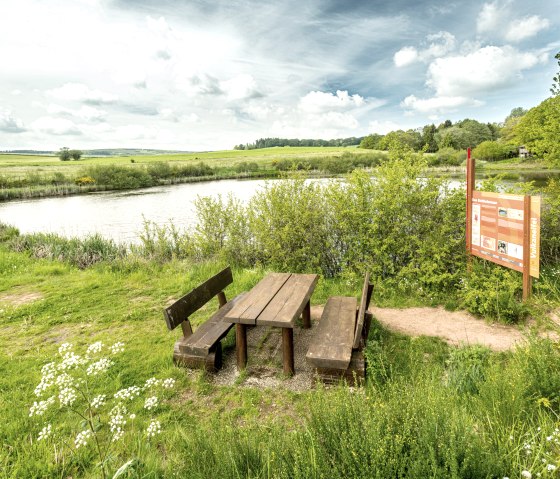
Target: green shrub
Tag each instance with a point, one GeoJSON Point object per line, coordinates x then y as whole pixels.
{"type": "Point", "coordinates": [119, 177]}
{"type": "Point", "coordinates": [493, 291]}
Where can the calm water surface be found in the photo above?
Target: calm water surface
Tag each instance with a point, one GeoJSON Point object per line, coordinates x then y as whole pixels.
{"type": "Point", "coordinates": [120, 214]}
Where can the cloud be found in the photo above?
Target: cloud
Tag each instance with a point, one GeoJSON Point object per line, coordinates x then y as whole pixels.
{"type": "Point", "coordinates": [438, 104]}
{"type": "Point", "coordinates": [435, 45]}
{"type": "Point", "coordinates": [10, 124]}
{"type": "Point", "coordinates": [525, 28]}
{"type": "Point", "coordinates": [79, 92]}
{"type": "Point", "coordinates": [240, 87]}
{"type": "Point", "coordinates": [85, 112]}
{"type": "Point", "coordinates": [492, 16]}
{"type": "Point", "coordinates": [318, 101]}
{"type": "Point", "coordinates": [382, 127]}
{"type": "Point", "coordinates": [484, 70]}
{"type": "Point", "coordinates": [405, 56]}
{"type": "Point", "coordinates": [55, 126]}
{"type": "Point", "coordinates": [496, 20]}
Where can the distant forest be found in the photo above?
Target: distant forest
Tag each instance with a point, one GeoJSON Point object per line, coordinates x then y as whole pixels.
{"type": "Point", "coordinates": [270, 142]}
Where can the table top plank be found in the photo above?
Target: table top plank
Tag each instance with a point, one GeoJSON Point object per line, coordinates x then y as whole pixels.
{"type": "Point", "coordinates": [331, 346]}
{"type": "Point", "coordinates": [287, 305]}
{"type": "Point", "coordinates": [248, 309]}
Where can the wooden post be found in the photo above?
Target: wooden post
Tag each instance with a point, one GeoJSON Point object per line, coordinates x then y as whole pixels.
{"type": "Point", "coordinates": [306, 315]}
{"type": "Point", "coordinates": [241, 345]}
{"type": "Point", "coordinates": [470, 189]}
{"type": "Point", "coordinates": [527, 283]}
{"type": "Point", "coordinates": [222, 298]}
{"type": "Point", "coordinates": [288, 351]}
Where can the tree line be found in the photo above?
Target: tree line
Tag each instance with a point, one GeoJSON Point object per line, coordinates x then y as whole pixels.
{"type": "Point", "coordinates": [272, 142]}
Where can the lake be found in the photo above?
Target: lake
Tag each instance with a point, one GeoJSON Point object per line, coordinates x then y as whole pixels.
{"type": "Point", "coordinates": [119, 215]}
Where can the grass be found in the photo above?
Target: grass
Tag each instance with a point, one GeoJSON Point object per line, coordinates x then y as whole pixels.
{"type": "Point", "coordinates": [426, 411]}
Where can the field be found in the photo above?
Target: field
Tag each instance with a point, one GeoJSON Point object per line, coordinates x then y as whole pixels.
{"type": "Point", "coordinates": [428, 410]}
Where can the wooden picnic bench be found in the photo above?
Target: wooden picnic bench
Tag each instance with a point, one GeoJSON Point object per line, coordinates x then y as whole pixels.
{"type": "Point", "coordinates": [336, 349]}
{"type": "Point", "coordinates": [203, 348]}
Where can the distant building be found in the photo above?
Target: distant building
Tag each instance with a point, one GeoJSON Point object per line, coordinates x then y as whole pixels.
{"type": "Point", "coordinates": [524, 152]}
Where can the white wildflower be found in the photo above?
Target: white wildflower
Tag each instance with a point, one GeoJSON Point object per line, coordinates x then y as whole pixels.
{"type": "Point", "coordinates": [67, 396]}
{"type": "Point", "coordinates": [64, 380]}
{"type": "Point", "coordinates": [550, 467]}
{"type": "Point", "coordinates": [99, 366]}
{"type": "Point", "coordinates": [549, 438]}
{"type": "Point", "coordinates": [46, 382]}
{"type": "Point", "coordinates": [95, 348]}
{"type": "Point", "coordinates": [117, 421]}
{"type": "Point", "coordinates": [64, 348]}
{"type": "Point", "coordinates": [132, 416]}
{"type": "Point", "coordinates": [151, 383]}
{"type": "Point", "coordinates": [98, 401]}
{"type": "Point", "coordinates": [526, 474]}
{"type": "Point", "coordinates": [39, 408]}
{"type": "Point", "coordinates": [153, 428]}
{"type": "Point", "coordinates": [168, 383]}
{"type": "Point", "coordinates": [150, 403]}
{"type": "Point", "coordinates": [70, 361]}
{"type": "Point", "coordinates": [117, 348]}
{"type": "Point", "coordinates": [128, 393]}
{"type": "Point", "coordinates": [82, 438]}
{"type": "Point", "coordinates": [45, 433]}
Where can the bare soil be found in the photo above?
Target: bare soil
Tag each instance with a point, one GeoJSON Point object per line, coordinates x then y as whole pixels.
{"type": "Point", "coordinates": [16, 299]}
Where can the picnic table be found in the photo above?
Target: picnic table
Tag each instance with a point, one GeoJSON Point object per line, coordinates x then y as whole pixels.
{"type": "Point", "coordinates": [277, 300]}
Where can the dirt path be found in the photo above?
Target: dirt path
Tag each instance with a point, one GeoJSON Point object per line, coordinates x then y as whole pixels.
{"type": "Point", "coordinates": [457, 327]}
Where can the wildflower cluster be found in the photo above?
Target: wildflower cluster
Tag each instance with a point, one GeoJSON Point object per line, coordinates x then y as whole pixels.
{"type": "Point", "coordinates": [539, 453]}
{"type": "Point", "coordinates": [77, 383]}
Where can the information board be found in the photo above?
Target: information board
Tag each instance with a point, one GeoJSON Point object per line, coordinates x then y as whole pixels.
{"type": "Point", "coordinates": [498, 225]}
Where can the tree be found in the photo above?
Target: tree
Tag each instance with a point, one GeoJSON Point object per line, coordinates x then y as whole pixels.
{"type": "Point", "coordinates": [539, 130]}
{"type": "Point", "coordinates": [64, 154]}
{"type": "Point", "coordinates": [429, 139]}
{"type": "Point", "coordinates": [75, 154]}
{"type": "Point", "coordinates": [493, 151]}
{"type": "Point", "coordinates": [555, 90]}
{"type": "Point", "coordinates": [371, 142]}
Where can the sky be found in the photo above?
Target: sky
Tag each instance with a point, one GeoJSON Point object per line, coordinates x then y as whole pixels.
{"type": "Point", "coordinates": [203, 75]}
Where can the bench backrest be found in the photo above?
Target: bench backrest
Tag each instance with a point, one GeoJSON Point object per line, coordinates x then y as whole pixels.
{"type": "Point", "coordinates": [181, 310]}
{"type": "Point", "coordinates": [367, 290]}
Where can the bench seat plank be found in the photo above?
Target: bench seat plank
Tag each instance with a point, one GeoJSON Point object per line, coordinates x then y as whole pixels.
{"type": "Point", "coordinates": [331, 347]}
{"type": "Point", "coordinates": [247, 310]}
{"type": "Point", "coordinates": [288, 304]}
{"type": "Point", "coordinates": [210, 332]}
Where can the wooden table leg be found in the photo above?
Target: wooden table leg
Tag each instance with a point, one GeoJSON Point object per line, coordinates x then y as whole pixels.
{"type": "Point", "coordinates": [288, 351]}
{"type": "Point", "coordinates": [306, 315]}
{"type": "Point", "coordinates": [241, 345]}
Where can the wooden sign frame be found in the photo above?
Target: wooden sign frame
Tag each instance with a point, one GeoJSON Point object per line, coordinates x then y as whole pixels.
{"type": "Point", "coordinates": [511, 227]}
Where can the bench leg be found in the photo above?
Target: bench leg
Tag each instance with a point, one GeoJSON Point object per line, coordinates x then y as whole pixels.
{"type": "Point", "coordinates": [306, 315]}
{"type": "Point", "coordinates": [288, 351]}
{"type": "Point", "coordinates": [241, 345]}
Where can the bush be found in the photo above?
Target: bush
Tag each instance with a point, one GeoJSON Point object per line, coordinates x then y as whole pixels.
{"type": "Point", "coordinates": [119, 177]}
{"type": "Point", "coordinates": [493, 291]}
{"type": "Point", "coordinates": [84, 181]}
{"type": "Point", "coordinates": [7, 232]}
{"type": "Point", "coordinates": [493, 151]}
{"type": "Point", "coordinates": [447, 156]}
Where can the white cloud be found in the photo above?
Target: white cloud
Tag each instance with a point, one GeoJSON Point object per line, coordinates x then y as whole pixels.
{"type": "Point", "coordinates": [81, 93]}
{"type": "Point", "coordinates": [383, 127]}
{"type": "Point", "coordinates": [486, 69]}
{"type": "Point", "coordinates": [85, 112]}
{"type": "Point", "coordinates": [318, 101]}
{"type": "Point", "coordinates": [496, 20]}
{"type": "Point", "coordinates": [240, 87]}
{"type": "Point", "coordinates": [405, 56]}
{"type": "Point", "coordinates": [16, 92]}
{"type": "Point", "coordinates": [492, 16]}
{"type": "Point", "coordinates": [9, 123]}
{"type": "Point", "coordinates": [435, 45]}
{"type": "Point", "coordinates": [55, 126]}
{"type": "Point", "coordinates": [438, 104]}
{"type": "Point", "coordinates": [525, 28]}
